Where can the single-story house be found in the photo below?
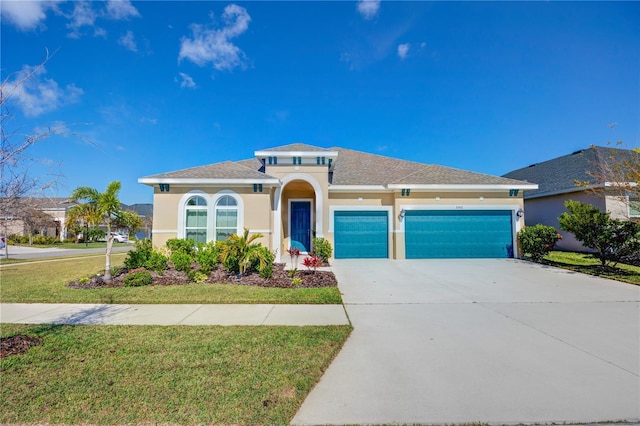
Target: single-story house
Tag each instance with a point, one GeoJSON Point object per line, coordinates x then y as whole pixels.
{"type": "Point", "coordinates": [365, 205]}
{"type": "Point", "coordinates": [45, 216]}
{"type": "Point", "coordinates": [579, 176]}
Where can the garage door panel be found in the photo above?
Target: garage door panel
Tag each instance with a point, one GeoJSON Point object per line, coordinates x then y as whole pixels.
{"type": "Point", "coordinates": [361, 234]}
{"type": "Point", "coordinates": [458, 234]}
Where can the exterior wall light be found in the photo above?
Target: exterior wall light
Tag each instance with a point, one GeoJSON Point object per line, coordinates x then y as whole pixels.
{"type": "Point", "coordinates": [520, 213]}
{"type": "Point", "coordinates": [401, 215]}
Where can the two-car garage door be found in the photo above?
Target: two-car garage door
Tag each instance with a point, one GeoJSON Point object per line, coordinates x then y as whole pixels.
{"type": "Point", "coordinates": [428, 234]}
{"type": "Point", "coordinates": [458, 234]}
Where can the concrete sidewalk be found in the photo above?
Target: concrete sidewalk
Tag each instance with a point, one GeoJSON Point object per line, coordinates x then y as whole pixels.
{"type": "Point", "coordinates": [104, 314]}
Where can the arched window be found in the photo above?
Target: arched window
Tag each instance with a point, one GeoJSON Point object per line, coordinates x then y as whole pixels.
{"type": "Point", "coordinates": [196, 219]}
{"type": "Point", "coordinates": [226, 220]}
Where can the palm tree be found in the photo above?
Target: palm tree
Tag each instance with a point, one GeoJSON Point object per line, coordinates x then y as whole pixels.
{"type": "Point", "coordinates": [241, 251]}
{"type": "Point", "coordinates": [80, 217]}
{"type": "Point", "coordinates": [108, 206]}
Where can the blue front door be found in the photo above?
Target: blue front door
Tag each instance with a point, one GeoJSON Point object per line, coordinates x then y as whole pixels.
{"type": "Point", "coordinates": [301, 225]}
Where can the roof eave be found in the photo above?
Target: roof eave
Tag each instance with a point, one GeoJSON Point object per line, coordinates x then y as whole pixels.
{"type": "Point", "coordinates": [303, 154]}
{"type": "Point", "coordinates": [462, 187]}
{"type": "Point", "coordinates": [207, 181]}
{"type": "Point", "coordinates": [357, 188]}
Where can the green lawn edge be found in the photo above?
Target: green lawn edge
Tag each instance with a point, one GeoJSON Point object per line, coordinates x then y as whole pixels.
{"type": "Point", "coordinates": [587, 264]}
{"type": "Point", "coordinates": [46, 282]}
{"type": "Point", "coordinates": [164, 375]}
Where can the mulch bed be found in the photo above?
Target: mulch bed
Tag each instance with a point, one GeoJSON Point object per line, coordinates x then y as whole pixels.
{"type": "Point", "coordinates": [17, 344]}
{"type": "Point", "coordinates": [279, 279]}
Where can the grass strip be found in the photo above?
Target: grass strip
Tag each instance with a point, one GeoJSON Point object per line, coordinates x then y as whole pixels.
{"type": "Point", "coordinates": [169, 375]}
{"type": "Point", "coordinates": [45, 282]}
{"type": "Point", "coordinates": [587, 264]}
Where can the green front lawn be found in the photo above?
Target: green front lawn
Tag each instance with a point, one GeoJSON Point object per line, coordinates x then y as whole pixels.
{"type": "Point", "coordinates": [45, 282]}
{"type": "Point", "coordinates": [587, 264]}
{"type": "Point", "coordinates": [167, 375]}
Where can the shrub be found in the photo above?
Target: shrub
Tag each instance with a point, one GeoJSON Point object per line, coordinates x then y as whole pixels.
{"type": "Point", "coordinates": [296, 282]}
{"type": "Point", "coordinates": [263, 262]}
{"type": "Point", "coordinates": [538, 240]}
{"type": "Point", "coordinates": [239, 253]}
{"type": "Point", "coordinates": [182, 245]}
{"type": "Point", "coordinates": [157, 262]}
{"type": "Point", "coordinates": [197, 276]}
{"type": "Point", "coordinates": [84, 280]}
{"type": "Point", "coordinates": [612, 240]}
{"type": "Point", "coordinates": [207, 256]}
{"type": "Point", "coordinates": [116, 270]}
{"type": "Point", "coordinates": [43, 240]}
{"type": "Point", "coordinates": [312, 262]}
{"type": "Point", "coordinates": [137, 257]}
{"type": "Point", "coordinates": [322, 249]}
{"type": "Point", "coordinates": [138, 277]}
{"type": "Point", "coordinates": [294, 253]}
{"type": "Point", "coordinates": [181, 261]}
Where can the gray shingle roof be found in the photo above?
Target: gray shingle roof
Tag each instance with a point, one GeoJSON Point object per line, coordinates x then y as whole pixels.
{"type": "Point", "coordinates": [560, 174]}
{"type": "Point", "coordinates": [351, 167]}
{"type": "Point", "coordinates": [361, 168]}
{"type": "Point", "coordinates": [224, 170]}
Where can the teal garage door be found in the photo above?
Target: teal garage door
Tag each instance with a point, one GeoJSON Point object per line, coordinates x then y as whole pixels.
{"type": "Point", "coordinates": [360, 234]}
{"type": "Point", "coordinates": [458, 234]}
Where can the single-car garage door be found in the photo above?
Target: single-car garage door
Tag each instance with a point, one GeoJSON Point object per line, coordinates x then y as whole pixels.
{"type": "Point", "coordinates": [458, 234]}
{"type": "Point", "coordinates": [360, 234]}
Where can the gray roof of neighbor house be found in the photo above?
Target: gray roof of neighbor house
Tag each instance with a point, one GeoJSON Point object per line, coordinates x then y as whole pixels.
{"type": "Point", "coordinates": [351, 167]}
{"type": "Point", "coordinates": [562, 174]}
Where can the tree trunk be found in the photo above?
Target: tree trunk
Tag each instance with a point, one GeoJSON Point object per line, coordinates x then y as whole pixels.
{"type": "Point", "coordinates": [107, 266]}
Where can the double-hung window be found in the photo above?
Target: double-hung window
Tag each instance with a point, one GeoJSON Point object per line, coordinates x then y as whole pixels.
{"type": "Point", "coordinates": [226, 219]}
{"type": "Point", "coordinates": [196, 219]}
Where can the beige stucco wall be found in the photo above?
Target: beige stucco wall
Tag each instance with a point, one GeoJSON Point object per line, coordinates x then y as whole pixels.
{"type": "Point", "coordinates": [255, 213]}
{"type": "Point", "coordinates": [268, 212]}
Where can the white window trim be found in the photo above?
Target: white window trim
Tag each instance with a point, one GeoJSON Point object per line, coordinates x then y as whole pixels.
{"type": "Point", "coordinates": [239, 205]}
{"type": "Point", "coordinates": [182, 209]}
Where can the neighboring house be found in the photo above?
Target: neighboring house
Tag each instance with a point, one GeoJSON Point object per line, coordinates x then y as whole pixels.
{"type": "Point", "coordinates": [54, 207]}
{"type": "Point", "coordinates": [573, 177]}
{"type": "Point", "coordinates": [366, 205]}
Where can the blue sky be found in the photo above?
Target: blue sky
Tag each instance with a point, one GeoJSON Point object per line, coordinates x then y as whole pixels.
{"type": "Point", "coordinates": [161, 85]}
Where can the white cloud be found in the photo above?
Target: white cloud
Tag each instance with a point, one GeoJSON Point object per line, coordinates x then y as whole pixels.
{"type": "Point", "coordinates": [187, 81]}
{"type": "Point", "coordinates": [34, 94]}
{"type": "Point", "coordinates": [214, 45]}
{"type": "Point", "coordinates": [403, 50]}
{"type": "Point", "coordinates": [121, 9]}
{"type": "Point", "coordinates": [83, 15]}
{"type": "Point", "coordinates": [25, 15]}
{"type": "Point", "coordinates": [128, 41]}
{"type": "Point", "coordinates": [368, 9]}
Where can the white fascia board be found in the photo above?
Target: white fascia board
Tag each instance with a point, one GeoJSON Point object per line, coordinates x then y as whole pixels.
{"type": "Point", "coordinates": [304, 154]}
{"type": "Point", "coordinates": [461, 187]}
{"type": "Point", "coordinates": [178, 181]}
{"type": "Point", "coordinates": [357, 188]}
{"type": "Point", "coordinates": [621, 184]}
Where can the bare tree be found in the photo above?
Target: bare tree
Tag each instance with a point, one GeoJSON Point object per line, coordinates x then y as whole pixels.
{"type": "Point", "coordinates": [16, 178]}
{"type": "Point", "coordinates": [615, 172]}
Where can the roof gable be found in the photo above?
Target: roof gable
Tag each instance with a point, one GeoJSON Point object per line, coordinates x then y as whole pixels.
{"type": "Point", "coordinates": [561, 174]}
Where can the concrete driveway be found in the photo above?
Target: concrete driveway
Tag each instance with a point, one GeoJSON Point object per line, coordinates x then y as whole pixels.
{"type": "Point", "coordinates": [497, 341]}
